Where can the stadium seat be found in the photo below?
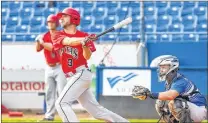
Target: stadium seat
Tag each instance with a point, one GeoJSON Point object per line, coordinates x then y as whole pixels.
{"type": "Point", "coordinates": [3, 28]}
{"type": "Point", "coordinates": [98, 21]}
{"type": "Point", "coordinates": [175, 20]}
{"type": "Point", "coordinates": [161, 28]}
{"type": "Point", "coordinates": [25, 21]}
{"type": "Point", "coordinates": [148, 4]}
{"type": "Point", "coordinates": [87, 11]}
{"type": "Point", "coordinates": [99, 12]}
{"type": "Point", "coordinates": [36, 21]}
{"type": "Point", "coordinates": [39, 5]}
{"type": "Point", "coordinates": [125, 38]}
{"type": "Point", "coordinates": [189, 28]}
{"type": "Point", "coordinates": [7, 38]}
{"type": "Point", "coordinates": [151, 38]}
{"type": "Point", "coordinates": [14, 5]}
{"type": "Point", "coordinates": [164, 38]}
{"type": "Point", "coordinates": [3, 21]}
{"type": "Point", "coordinates": [109, 37]}
{"type": "Point", "coordinates": [35, 29]}
{"type": "Point", "coordinates": [110, 20]}
{"type": "Point", "coordinates": [135, 28]}
{"type": "Point", "coordinates": [22, 29]}
{"type": "Point", "coordinates": [122, 11]}
{"type": "Point", "coordinates": [97, 28]}
{"type": "Point", "coordinates": [202, 37]}
{"type": "Point", "coordinates": [203, 3]}
{"type": "Point", "coordinates": [43, 29]}
{"type": "Point", "coordinates": [149, 20]}
{"type": "Point", "coordinates": [186, 11]}
{"type": "Point", "coordinates": [174, 11]}
{"type": "Point", "coordinates": [201, 19]}
{"type": "Point", "coordinates": [14, 13]}
{"type": "Point", "coordinates": [76, 4]}
{"type": "Point", "coordinates": [201, 28]}
{"type": "Point", "coordinates": [39, 12]}
{"type": "Point", "coordinates": [125, 4]}
{"type": "Point", "coordinates": [200, 11]}
{"type": "Point", "coordinates": [12, 21]}
{"type": "Point", "coordinates": [162, 11]}
{"type": "Point", "coordinates": [112, 4]}
{"type": "Point", "coordinates": [30, 38]}
{"type": "Point", "coordinates": [125, 29]}
{"type": "Point", "coordinates": [10, 29]}
{"type": "Point", "coordinates": [149, 28]}
{"type": "Point", "coordinates": [188, 20]}
{"type": "Point", "coordinates": [4, 12]}
{"type": "Point", "coordinates": [5, 4]}
{"type": "Point", "coordinates": [161, 4]}
{"type": "Point", "coordinates": [26, 13]}
{"type": "Point", "coordinates": [175, 4]}
{"type": "Point", "coordinates": [135, 4]}
{"type": "Point", "coordinates": [28, 4]}
{"type": "Point", "coordinates": [20, 38]}
{"type": "Point", "coordinates": [175, 28]}
{"type": "Point", "coordinates": [86, 29]}
{"type": "Point", "coordinates": [136, 20]}
{"type": "Point", "coordinates": [101, 4]}
{"type": "Point", "coordinates": [87, 4]}
{"type": "Point", "coordinates": [86, 21]}
{"type": "Point", "coordinates": [149, 11]}
{"type": "Point", "coordinates": [136, 37]}
{"type": "Point", "coordinates": [190, 4]}
{"type": "Point", "coordinates": [189, 37]}
{"type": "Point", "coordinates": [163, 20]}
{"type": "Point", "coordinates": [49, 11]}
{"type": "Point", "coordinates": [63, 4]}
{"type": "Point", "coordinates": [176, 38]}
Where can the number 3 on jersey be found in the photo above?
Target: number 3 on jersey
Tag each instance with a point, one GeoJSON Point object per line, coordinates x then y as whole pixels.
{"type": "Point", "coordinates": [70, 62]}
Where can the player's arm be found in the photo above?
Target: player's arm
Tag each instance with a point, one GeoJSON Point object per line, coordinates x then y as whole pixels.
{"type": "Point", "coordinates": [39, 47]}
{"type": "Point", "coordinates": [87, 52]}
{"type": "Point", "coordinates": [47, 46]}
{"type": "Point", "coordinates": [72, 41]}
{"type": "Point", "coordinates": [168, 95]}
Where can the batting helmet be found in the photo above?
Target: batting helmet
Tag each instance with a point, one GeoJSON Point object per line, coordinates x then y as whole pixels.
{"type": "Point", "coordinates": [75, 16]}
{"type": "Point", "coordinates": [53, 18]}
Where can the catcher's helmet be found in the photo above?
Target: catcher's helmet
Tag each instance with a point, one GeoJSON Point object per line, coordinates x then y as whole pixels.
{"type": "Point", "coordinates": [53, 18]}
{"type": "Point", "coordinates": [75, 16]}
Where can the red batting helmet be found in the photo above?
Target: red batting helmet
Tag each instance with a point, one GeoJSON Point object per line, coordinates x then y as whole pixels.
{"type": "Point", "coordinates": [75, 16]}
{"type": "Point", "coordinates": [53, 18]}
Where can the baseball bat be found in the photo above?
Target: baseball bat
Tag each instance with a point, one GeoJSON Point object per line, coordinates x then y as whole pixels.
{"type": "Point", "coordinates": [116, 26]}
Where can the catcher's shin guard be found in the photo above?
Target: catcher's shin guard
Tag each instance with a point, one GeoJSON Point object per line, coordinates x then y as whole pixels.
{"type": "Point", "coordinates": [180, 110]}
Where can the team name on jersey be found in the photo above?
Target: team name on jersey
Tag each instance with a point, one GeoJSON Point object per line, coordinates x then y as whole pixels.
{"type": "Point", "coordinates": [69, 50]}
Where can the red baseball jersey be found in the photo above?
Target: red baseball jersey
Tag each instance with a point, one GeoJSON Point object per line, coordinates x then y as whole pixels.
{"type": "Point", "coordinates": [50, 56]}
{"type": "Point", "coordinates": [70, 57]}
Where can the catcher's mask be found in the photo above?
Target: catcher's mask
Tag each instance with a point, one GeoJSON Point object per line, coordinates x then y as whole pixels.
{"type": "Point", "coordinates": [165, 64]}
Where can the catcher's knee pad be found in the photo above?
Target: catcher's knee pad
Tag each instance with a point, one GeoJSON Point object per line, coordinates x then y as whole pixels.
{"type": "Point", "coordinates": [179, 109]}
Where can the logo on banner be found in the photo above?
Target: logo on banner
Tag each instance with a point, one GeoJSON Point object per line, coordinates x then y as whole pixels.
{"type": "Point", "coordinates": [113, 81]}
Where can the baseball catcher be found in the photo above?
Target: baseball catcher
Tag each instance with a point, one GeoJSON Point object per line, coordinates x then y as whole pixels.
{"type": "Point", "coordinates": [182, 101]}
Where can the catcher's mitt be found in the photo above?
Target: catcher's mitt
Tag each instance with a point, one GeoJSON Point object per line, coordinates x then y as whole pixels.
{"type": "Point", "coordinates": [140, 92]}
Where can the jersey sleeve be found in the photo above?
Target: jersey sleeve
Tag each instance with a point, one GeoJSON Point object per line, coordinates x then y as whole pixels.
{"type": "Point", "coordinates": [91, 45]}
{"type": "Point", "coordinates": [179, 86]}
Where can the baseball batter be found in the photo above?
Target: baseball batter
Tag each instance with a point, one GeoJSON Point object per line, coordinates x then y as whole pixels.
{"type": "Point", "coordinates": [73, 58]}
{"type": "Point", "coordinates": [55, 79]}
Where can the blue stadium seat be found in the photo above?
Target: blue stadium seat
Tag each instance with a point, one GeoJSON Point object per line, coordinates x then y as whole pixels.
{"type": "Point", "coordinates": [110, 20]}
{"type": "Point", "coordinates": [165, 38]}
{"type": "Point", "coordinates": [39, 4]}
{"type": "Point", "coordinates": [136, 37]}
{"type": "Point", "coordinates": [76, 4]}
{"type": "Point", "coordinates": [176, 38]}
{"type": "Point", "coordinates": [135, 28]}
{"type": "Point", "coordinates": [151, 38]}
{"type": "Point", "coordinates": [176, 20]}
{"type": "Point", "coordinates": [100, 4]}
{"type": "Point", "coordinates": [20, 38]}
{"type": "Point", "coordinates": [162, 11]}
{"type": "Point", "coordinates": [3, 21]}
{"type": "Point", "coordinates": [189, 37]}
{"type": "Point", "coordinates": [26, 12]}
{"type": "Point", "coordinates": [25, 21]}
{"type": "Point", "coordinates": [149, 11]}
{"type": "Point", "coordinates": [136, 20]}
{"type": "Point", "coordinates": [125, 4]}
{"type": "Point", "coordinates": [203, 3]}
{"type": "Point", "coordinates": [3, 28]}
{"type": "Point", "coordinates": [14, 13]}
{"type": "Point", "coordinates": [111, 4]}
{"type": "Point", "coordinates": [201, 19]}
{"type": "Point", "coordinates": [4, 12]}
{"type": "Point", "coordinates": [28, 4]}
{"type": "Point", "coordinates": [187, 20]}
{"type": "Point", "coordinates": [135, 4]}
{"type": "Point", "coordinates": [189, 28]}
{"type": "Point", "coordinates": [125, 29]}
{"type": "Point", "coordinates": [49, 11]}
{"type": "Point", "coordinates": [39, 12]}
{"type": "Point", "coordinates": [36, 21]}
{"type": "Point", "coordinates": [62, 4]}
{"type": "Point", "coordinates": [109, 37]}
{"type": "Point", "coordinates": [149, 28]}
{"type": "Point", "coordinates": [186, 11]}
{"type": "Point", "coordinates": [190, 4]}
{"type": "Point", "coordinates": [14, 5]}
{"type": "Point", "coordinates": [43, 29]}
{"type": "Point", "coordinates": [22, 29]}
{"type": "Point", "coordinates": [10, 29]}
{"type": "Point", "coordinates": [88, 4]}
{"type": "Point", "coordinates": [30, 38]}
{"type": "Point", "coordinates": [35, 29]}
{"type": "Point", "coordinates": [163, 20]}
{"type": "Point", "coordinates": [175, 28]}
{"type": "Point", "coordinates": [201, 28]}
{"type": "Point", "coordinates": [86, 29]}
{"type": "Point", "coordinates": [173, 11]}
{"type": "Point", "coordinates": [202, 37]}
{"type": "Point", "coordinates": [124, 38]}
{"type": "Point", "coordinates": [5, 4]}
{"type": "Point", "coordinates": [175, 4]}
{"type": "Point", "coordinates": [86, 21]}
{"type": "Point", "coordinates": [122, 11]}
{"type": "Point", "coordinates": [200, 11]}
{"type": "Point", "coordinates": [7, 38]}
{"type": "Point", "coordinates": [161, 28]}
{"type": "Point", "coordinates": [149, 20]}
{"type": "Point", "coordinates": [97, 28]}
{"type": "Point", "coordinates": [112, 11]}
{"type": "Point", "coordinates": [148, 4]}
{"type": "Point", "coordinates": [99, 12]}
{"type": "Point", "coordinates": [87, 11]}
{"type": "Point", "coordinates": [135, 11]}
{"type": "Point", "coordinates": [98, 21]}
{"type": "Point", "coordinates": [161, 4]}
{"type": "Point", "coordinates": [12, 21]}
